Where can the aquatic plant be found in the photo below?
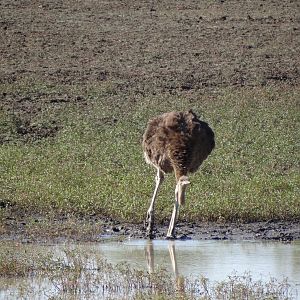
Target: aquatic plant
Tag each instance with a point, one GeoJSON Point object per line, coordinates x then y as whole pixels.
{"type": "Point", "coordinates": [86, 274]}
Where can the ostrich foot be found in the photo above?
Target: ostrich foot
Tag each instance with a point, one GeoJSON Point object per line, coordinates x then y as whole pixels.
{"type": "Point", "coordinates": [170, 237]}
{"type": "Point", "coordinates": [149, 225]}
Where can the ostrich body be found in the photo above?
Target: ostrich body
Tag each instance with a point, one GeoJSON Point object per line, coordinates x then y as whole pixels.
{"type": "Point", "coordinates": [179, 142]}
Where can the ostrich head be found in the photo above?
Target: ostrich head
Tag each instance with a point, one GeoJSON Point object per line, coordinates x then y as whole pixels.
{"type": "Point", "coordinates": [181, 185]}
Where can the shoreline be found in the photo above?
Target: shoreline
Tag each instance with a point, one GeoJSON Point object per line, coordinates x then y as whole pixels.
{"type": "Point", "coordinates": [94, 229]}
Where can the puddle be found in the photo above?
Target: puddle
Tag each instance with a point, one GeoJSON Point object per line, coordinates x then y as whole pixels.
{"type": "Point", "coordinates": [212, 259]}
{"type": "Point", "coordinates": [215, 260]}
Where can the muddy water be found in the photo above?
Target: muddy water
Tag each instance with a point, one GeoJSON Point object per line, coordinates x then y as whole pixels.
{"type": "Point", "coordinates": [212, 259]}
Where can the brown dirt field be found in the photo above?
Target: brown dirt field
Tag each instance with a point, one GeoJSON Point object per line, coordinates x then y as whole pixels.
{"type": "Point", "coordinates": [165, 45]}
{"type": "Point", "coordinates": [190, 48]}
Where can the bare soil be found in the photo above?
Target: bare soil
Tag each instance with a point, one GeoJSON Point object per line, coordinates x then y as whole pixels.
{"type": "Point", "coordinates": [179, 45]}
{"type": "Point", "coordinates": [141, 48]}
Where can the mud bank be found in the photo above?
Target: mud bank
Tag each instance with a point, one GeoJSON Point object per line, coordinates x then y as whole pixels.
{"type": "Point", "coordinates": [94, 229]}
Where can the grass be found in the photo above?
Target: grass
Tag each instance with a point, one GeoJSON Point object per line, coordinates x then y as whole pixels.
{"type": "Point", "coordinates": [94, 163]}
{"type": "Point", "coordinates": [40, 272]}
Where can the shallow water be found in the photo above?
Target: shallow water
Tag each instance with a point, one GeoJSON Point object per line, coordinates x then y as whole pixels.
{"type": "Point", "coordinates": [215, 260]}
{"type": "Point", "coordinates": [212, 259]}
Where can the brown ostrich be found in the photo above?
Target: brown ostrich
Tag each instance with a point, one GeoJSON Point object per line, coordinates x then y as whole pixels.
{"type": "Point", "coordinates": [179, 142]}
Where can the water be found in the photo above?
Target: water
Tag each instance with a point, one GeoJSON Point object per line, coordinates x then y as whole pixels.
{"type": "Point", "coordinates": [212, 259]}
{"type": "Point", "coordinates": [215, 260]}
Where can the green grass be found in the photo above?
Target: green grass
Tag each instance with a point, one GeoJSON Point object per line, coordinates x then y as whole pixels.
{"type": "Point", "coordinates": [94, 165]}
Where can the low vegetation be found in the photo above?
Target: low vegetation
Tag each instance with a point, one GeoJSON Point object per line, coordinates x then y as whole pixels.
{"type": "Point", "coordinates": [92, 163]}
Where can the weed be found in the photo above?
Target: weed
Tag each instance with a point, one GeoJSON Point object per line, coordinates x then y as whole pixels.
{"type": "Point", "coordinates": [77, 274]}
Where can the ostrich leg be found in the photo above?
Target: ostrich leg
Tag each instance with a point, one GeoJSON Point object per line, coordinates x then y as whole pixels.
{"type": "Point", "coordinates": [150, 213]}
{"type": "Point", "coordinates": [171, 230]}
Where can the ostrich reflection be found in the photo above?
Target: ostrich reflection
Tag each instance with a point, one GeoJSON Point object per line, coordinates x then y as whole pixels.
{"type": "Point", "coordinates": [149, 253]}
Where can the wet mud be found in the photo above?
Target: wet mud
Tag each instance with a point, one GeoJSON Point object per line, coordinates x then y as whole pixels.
{"type": "Point", "coordinates": [94, 229]}
{"type": "Point", "coordinates": [282, 231]}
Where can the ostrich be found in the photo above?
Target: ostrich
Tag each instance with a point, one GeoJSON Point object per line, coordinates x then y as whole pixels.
{"type": "Point", "coordinates": [179, 142]}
